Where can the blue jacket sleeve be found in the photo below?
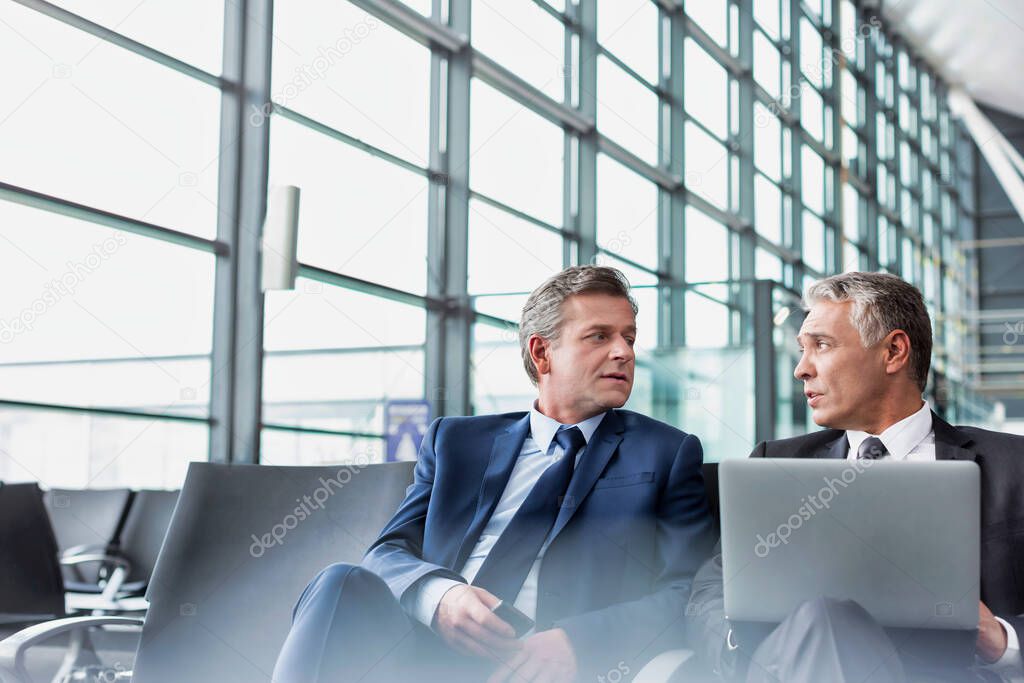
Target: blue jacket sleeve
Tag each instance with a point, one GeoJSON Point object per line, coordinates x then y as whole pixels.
{"type": "Point", "coordinates": [397, 554]}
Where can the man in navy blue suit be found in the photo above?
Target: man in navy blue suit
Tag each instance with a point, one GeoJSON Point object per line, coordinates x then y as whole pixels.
{"type": "Point", "coordinates": [588, 519]}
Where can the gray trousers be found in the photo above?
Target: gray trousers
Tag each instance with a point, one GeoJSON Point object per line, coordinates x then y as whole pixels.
{"type": "Point", "coordinates": [826, 640]}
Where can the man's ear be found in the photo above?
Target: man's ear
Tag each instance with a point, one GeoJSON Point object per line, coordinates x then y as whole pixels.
{"type": "Point", "coordinates": [540, 352]}
{"type": "Point", "coordinates": [897, 351]}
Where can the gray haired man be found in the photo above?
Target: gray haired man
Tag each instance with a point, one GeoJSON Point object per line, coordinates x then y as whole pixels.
{"type": "Point", "coordinates": [865, 350]}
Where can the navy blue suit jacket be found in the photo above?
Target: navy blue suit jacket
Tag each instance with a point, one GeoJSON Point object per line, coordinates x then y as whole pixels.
{"type": "Point", "coordinates": [618, 571]}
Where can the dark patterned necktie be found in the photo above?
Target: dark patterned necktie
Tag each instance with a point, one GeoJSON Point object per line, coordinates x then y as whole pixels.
{"type": "Point", "coordinates": [505, 568]}
{"type": "Point", "coordinates": [872, 448]}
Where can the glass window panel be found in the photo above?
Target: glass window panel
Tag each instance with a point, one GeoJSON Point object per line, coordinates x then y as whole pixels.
{"type": "Point", "coordinates": [285, 447]}
{"type": "Point", "coordinates": [508, 254]}
{"type": "Point", "coordinates": [711, 16]}
{"type": "Point", "coordinates": [627, 213]}
{"type": "Point", "coordinates": [331, 61]}
{"type": "Point", "coordinates": [811, 111]}
{"type": "Point", "coordinates": [83, 450]}
{"type": "Point", "coordinates": [706, 89]}
{"type": "Point", "coordinates": [92, 316]}
{"type": "Point", "coordinates": [767, 209]}
{"type": "Point", "coordinates": [629, 30]}
{"type": "Point", "coordinates": [812, 61]}
{"type": "Point", "coordinates": [849, 106]}
{"type": "Point", "coordinates": [851, 149]}
{"type": "Point", "coordinates": [851, 213]}
{"type": "Point", "coordinates": [767, 265]}
{"type": "Point", "coordinates": [142, 144]}
{"type": "Point", "coordinates": [334, 355]}
{"type": "Point", "coordinates": [767, 65]}
{"type": "Point", "coordinates": [766, 14]}
{"type": "Point", "coordinates": [814, 242]}
{"type": "Point", "coordinates": [707, 166]}
{"type": "Point", "coordinates": [191, 30]}
{"type": "Point", "coordinates": [707, 248]}
{"type": "Point", "coordinates": [529, 41]}
{"type": "Point", "coordinates": [500, 383]}
{"type": "Point", "coordinates": [849, 35]}
{"type": "Point", "coordinates": [516, 154]}
{"type": "Point", "coordinates": [812, 170]}
{"type": "Point", "coordinates": [627, 112]}
{"type": "Point", "coordinates": [767, 142]}
{"type": "Point", "coordinates": [707, 322]}
{"type": "Point", "coordinates": [851, 257]}
{"type": "Point", "coordinates": [355, 207]}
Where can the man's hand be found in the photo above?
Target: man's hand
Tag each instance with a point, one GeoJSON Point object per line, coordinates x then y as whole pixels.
{"type": "Point", "coordinates": [465, 621]}
{"type": "Point", "coordinates": [546, 657]}
{"type": "Point", "coordinates": [991, 636]}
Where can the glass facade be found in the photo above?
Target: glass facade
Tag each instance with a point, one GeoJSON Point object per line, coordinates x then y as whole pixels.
{"type": "Point", "coordinates": [451, 155]}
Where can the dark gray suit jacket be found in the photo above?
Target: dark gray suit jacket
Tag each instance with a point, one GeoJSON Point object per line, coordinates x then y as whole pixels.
{"type": "Point", "coordinates": [1001, 460]}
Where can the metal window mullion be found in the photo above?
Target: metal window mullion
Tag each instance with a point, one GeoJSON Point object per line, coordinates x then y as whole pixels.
{"type": "Point", "coordinates": [742, 146]}
{"type": "Point", "coordinates": [586, 162]}
{"type": "Point", "coordinates": [237, 358]}
{"type": "Point", "coordinates": [836, 213]}
{"type": "Point", "coordinates": [796, 143]}
{"type": "Point", "coordinates": [449, 326]}
{"type": "Point", "coordinates": [673, 229]}
{"type": "Point", "coordinates": [870, 132]}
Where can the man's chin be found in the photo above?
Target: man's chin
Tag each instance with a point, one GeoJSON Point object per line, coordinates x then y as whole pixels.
{"type": "Point", "coordinates": [827, 419]}
{"type": "Point", "coordinates": [616, 400]}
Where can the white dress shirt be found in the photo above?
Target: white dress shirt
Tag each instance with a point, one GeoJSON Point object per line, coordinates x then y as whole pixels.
{"type": "Point", "coordinates": [913, 438]}
{"type": "Point", "coordinates": [539, 452]}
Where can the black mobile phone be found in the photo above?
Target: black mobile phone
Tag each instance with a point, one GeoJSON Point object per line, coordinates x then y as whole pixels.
{"type": "Point", "coordinates": [513, 617]}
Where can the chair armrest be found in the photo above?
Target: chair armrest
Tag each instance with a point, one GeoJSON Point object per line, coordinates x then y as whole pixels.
{"type": "Point", "coordinates": [13, 648]}
{"type": "Point", "coordinates": [96, 557]}
{"type": "Point", "coordinates": [85, 549]}
{"type": "Point", "coordinates": [661, 668]}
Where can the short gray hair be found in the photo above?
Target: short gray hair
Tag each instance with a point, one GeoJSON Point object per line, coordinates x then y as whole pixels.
{"type": "Point", "coordinates": [542, 313]}
{"type": "Point", "coordinates": [882, 303]}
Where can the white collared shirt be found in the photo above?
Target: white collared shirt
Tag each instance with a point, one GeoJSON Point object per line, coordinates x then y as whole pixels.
{"type": "Point", "coordinates": [539, 452]}
{"type": "Point", "coordinates": [913, 439]}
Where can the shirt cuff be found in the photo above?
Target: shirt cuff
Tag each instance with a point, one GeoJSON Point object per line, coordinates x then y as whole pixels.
{"type": "Point", "coordinates": [1010, 665]}
{"type": "Point", "coordinates": [421, 600]}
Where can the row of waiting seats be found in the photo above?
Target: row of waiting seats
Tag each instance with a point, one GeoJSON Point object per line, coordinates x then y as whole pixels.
{"type": "Point", "coordinates": [233, 562]}
{"type": "Point", "coordinates": [67, 552]}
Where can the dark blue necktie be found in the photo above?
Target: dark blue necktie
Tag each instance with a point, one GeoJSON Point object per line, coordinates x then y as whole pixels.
{"type": "Point", "coordinates": [505, 568]}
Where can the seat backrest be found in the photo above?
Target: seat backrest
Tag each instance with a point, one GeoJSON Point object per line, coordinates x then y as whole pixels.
{"type": "Point", "coordinates": [243, 543]}
{"type": "Point", "coordinates": [31, 588]}
{"type": "Point", "coordinates": [144, 530]}
{"type": "Point", "coordinates": [86, 517]}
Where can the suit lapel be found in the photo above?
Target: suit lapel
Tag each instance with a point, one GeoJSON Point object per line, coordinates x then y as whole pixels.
{"type": "Point", "coordinates": [838, 449]}
{"type": "Point", "coordinates": [506, 449]}
{"type": "Point", "coordinates": [595, 458]}
{"type": "Point", "coordinates": [949, 442]}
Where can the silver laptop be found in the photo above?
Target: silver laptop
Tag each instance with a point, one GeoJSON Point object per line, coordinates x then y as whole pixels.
{"type": "Point", "coordinates": [900, 538]}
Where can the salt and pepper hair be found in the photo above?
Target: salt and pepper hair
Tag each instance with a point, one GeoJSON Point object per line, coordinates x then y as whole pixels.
{"type": "Point", "coordinates": [882, 303]}
{"type": "Point", "coordinates": [543, 314]}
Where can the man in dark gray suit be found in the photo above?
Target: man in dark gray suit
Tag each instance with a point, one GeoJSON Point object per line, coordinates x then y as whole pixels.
{"type": "Point", "coordinates": [865, 352]}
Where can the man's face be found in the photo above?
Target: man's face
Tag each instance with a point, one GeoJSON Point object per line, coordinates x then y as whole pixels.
{"type": "Point", "coordinates": [842, 380]}
{"type": "Point", "coordinates": [591, 362]}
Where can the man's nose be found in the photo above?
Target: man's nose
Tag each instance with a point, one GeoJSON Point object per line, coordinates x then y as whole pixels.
{"type": "Point", "coordinates": [621, 350]}
{"type": "Point", "coordinates": [804, 369]}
